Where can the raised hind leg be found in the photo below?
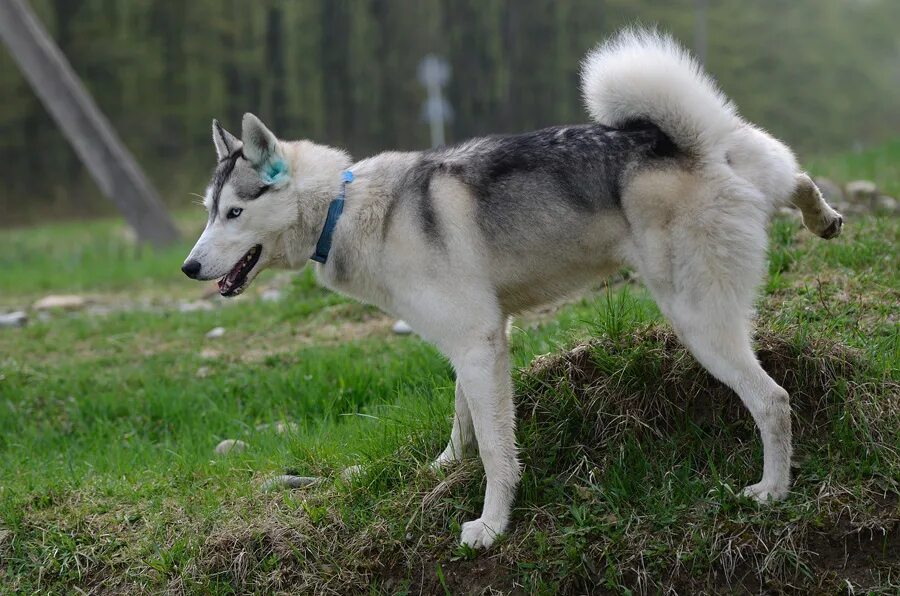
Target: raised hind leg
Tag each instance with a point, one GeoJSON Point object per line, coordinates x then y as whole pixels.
{"type": "Point", "coordinates": [818, 216]}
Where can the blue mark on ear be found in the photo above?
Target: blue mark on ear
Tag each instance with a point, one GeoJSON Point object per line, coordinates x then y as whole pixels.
{"type": "Point", "coordinates": [273, 171]}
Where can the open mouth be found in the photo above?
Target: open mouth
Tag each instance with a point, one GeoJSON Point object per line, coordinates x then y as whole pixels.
{"type": "Point", "coordinates": [236, 279]}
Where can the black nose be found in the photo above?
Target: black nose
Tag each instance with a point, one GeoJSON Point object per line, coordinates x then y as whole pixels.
{"type": "Point", "coordinates": [191, 268]}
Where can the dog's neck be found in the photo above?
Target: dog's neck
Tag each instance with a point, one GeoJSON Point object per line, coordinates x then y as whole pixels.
{"type": "Point", "coordinates": [316, 172]}
{"type": "Point", "coordinates": [335, 209]}
{"type": "Point", "coordinates": [353, 266]}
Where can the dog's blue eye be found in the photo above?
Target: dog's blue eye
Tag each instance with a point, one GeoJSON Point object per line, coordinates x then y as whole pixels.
{"type": "Point", "coordinates": [234, 212]}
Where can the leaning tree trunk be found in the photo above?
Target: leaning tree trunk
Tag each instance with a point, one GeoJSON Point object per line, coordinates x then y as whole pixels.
{"type": "Point", "coordinates": [91, 135]}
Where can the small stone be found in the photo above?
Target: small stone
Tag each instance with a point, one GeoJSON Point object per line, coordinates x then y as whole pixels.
{"type": "Point", "coordinates": [832, 191]}
{"type": "Point", "coordinates": [215, 332]}
{"type": "Point", "coordinates": [127, 234]}
{"type": "Point", "coordinates": [270, 295]}
{"type": "Point", "coordinates": [195, 306]}
{"type": "Point", "coordinates": [402, 328]}
{"type": "Point", "coordinates": [861, 191]}
{"type": "Point", "coordinates": [229, 446]}
{"type": "Point", "coordinates": [14, 319]}
{"type": "Point", "coordinates": [288, 481]}
{"type": "Point", "coordinates": [203, 372]}
{"type": "Point", "coordinates": [209, 354]}
{"type": "Point", "coordinates": [855, 209]}
{"type": "Point", "coordinates": [279, 427]}
{"type": "Point", "coordinates": [60, 301]}
{"type": "Point", "coordinates": [351, 472]}
{"type": "Point", "coordinates": [885, 204]}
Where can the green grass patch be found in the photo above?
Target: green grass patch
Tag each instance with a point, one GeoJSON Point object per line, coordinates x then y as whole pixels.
{"type": "Point", "coordinates": [94, 256]}
{"type": "Point", "coordinates": [633, 454]}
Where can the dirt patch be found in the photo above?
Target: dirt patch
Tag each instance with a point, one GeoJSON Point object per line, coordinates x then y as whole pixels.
{"type": "Point", "coordinates": [316, 333]}
{"type": "Point", "coordinates": [857, 553]}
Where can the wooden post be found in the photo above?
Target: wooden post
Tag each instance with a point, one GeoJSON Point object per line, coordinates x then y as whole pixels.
{"type": "Point", "coordinates": [90, 133]}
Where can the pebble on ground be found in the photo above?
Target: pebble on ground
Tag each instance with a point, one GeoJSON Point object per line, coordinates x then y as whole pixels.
{"type": "Point", "coordinates": [229, 446]}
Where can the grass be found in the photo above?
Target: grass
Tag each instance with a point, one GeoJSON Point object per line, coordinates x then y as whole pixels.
{"type": "Point", "coordinates": [633, 455]}
{"type": "Point", "coordinates": [94, 256]}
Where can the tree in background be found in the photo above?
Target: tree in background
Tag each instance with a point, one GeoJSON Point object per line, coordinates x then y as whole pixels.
{"type": "Point", "coordinates": [822, 74]}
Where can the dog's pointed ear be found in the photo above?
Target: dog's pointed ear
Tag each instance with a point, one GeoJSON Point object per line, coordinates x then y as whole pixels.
{"type": "Point", "coordinates": [225, 142]}
{"type": "Point", "coordinates": [261, 149]}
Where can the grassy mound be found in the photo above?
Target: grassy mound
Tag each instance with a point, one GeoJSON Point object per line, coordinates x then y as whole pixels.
{"type": "Point", "coordinates": [633, 457]}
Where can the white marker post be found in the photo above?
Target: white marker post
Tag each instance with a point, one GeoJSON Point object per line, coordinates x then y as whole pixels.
{"type": "Point", "coordinates": [434, 72]}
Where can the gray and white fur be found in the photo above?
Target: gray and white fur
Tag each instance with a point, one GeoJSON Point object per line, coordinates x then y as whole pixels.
{"type": "Point", "coordinates": [668, 180]}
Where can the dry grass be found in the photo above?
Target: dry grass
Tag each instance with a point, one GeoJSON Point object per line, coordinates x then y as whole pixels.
{"type": "Point", "coordinates": [581, 411]}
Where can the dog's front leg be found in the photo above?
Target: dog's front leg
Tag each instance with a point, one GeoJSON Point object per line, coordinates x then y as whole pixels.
{"type": "Point", "coordinates": [483, 371]}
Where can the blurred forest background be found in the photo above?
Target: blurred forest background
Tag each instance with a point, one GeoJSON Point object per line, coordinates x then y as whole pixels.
{"type": "Point", "coordinates": [822, 74]}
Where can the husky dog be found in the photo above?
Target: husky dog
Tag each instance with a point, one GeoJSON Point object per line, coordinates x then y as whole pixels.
{"type": "Point", "coordinates": [668, 180]}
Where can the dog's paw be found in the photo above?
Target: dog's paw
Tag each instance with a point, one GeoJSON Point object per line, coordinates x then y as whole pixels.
{"type": "Point", "coordinates": [833, 229]}
{"type": "Point", "coordinates": [480, 534]}
{"type": "Point", "coordinates": [439, 465]}
{"type": "Point", "coordinates": [827, 225]}
{"type": "Point", "coordinates": [444, 461]}
{"type": "Point", "coordinates": [765, 492]}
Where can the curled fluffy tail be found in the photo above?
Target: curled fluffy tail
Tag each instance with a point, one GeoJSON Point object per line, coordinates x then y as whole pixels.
{"type": "Point", "coordinates": [645, 75]}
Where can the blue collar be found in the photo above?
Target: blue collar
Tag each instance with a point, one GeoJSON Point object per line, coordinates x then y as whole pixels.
{"type": "Point", "coordinates": [335, 208]}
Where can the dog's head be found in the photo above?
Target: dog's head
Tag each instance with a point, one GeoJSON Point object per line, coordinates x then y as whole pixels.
{"type": "Point", "coordinates": [250, 207]}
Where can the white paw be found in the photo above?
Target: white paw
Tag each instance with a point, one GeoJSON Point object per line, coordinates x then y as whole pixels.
{"type": "Point", "coordinates": [829, 226]}
{"type": "Point", "coordinates": [443, 461]}
{"type": "Point", "coordinates": [439, 465]}
{"type": "Point", "coordinates": [765, 492]}
{"type": "Point", "coordinates": [480, 534]}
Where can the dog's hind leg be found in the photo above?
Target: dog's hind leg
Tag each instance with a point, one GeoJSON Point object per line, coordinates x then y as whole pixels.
{"type": "Point", "coordinates": [704, 268]}
{"type": "Point", "coordinates": [462, 437]}
{"type": "Point", "coordinates": [818, 216]}
{"type": "Point", "coordinates": [720, 341]}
